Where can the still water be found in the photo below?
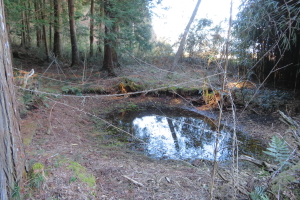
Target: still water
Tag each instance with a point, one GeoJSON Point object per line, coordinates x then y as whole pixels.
{"type": "Point", "coordinates": [178, 134]}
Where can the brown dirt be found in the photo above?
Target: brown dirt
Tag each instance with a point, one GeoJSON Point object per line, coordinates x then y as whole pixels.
{"type": "Point", "coordinates": [73, 137]}
{"type": "Point", "coordinates": [58, 135]}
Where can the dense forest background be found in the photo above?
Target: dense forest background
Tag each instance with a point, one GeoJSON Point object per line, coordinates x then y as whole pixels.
{"type": "Point", "coordinates": [264, 42]}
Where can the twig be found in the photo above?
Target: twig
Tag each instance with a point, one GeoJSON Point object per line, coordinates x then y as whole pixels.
{"type": "Point", "coordinates": [135, 182]}
{"type": "Point", "coordinates": [222, 177]}
{"type": "Point", "coordinates": [48, 67]}
{"type": "Point", "coordinates": [215, 166]}
{"type": "Point", "coordinates": [50, 126]}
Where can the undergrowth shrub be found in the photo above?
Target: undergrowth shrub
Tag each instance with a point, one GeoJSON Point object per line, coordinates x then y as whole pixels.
{"type": "Point", "coordinates": [259, 194]}
{"type": "Point", "coordinates": [16, 192]}
{"type": "Point", "coordinates": [37, 176]}
{"type": "Point", "coordinates": [285, 181]}
{"type": "Point", "coordinates": [278, 149]}
{"type": "Point", "coordinates": [265, 100]}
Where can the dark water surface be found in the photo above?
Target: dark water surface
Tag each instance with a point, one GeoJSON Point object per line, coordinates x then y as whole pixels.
{"type": "Point", "coordinates": [180, 134]}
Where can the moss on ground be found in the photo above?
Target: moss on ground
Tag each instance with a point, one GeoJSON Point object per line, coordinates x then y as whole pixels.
{"type": "Point", "coordinates": [80, 172]}
{"type": "Point", "coordinates": [28, 130]}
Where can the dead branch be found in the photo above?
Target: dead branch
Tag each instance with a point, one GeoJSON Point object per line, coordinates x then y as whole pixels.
{"type": "Point", "coordinates": [135, 182]}
{"type": "Point", "coordinates": [294, 127]}
{"type": "Point", "coordinates": [268, 167]}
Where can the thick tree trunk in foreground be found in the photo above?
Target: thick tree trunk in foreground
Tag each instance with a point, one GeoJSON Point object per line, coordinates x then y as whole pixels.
{"type": "Point", "coordinates": [182, 42]}
{"type": "Point", "coordinates": [75, 52]}
{"type": "Point", "coordinates": [12, 157]}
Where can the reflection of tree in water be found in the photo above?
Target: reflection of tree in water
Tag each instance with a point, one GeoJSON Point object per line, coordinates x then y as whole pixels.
{"type": "Point", "coordinates": [194, 130]}
{"type": "Point", "coordinates": [171, 126]}
{"type": "Point", "coordinates": [199, 136]}
{"type": "Point", "coordinates": [181, 137]}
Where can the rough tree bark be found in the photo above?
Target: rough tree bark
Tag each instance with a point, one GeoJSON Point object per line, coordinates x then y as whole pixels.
{"type": "Point", "coordinates": [57, 46]}
{"type": "Point", "coordinates": [12, 157]}
{"type": "Point", "coordinates": [75, 52]}
{"type": "Point", "coordinates": [182, 42]}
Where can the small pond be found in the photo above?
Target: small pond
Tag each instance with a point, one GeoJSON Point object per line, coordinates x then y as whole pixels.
{"type": "Point", "coordinates": [180, 134]}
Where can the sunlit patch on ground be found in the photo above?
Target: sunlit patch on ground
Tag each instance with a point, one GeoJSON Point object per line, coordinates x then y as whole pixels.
{"type": "Point", "coordinates": [241, 84]}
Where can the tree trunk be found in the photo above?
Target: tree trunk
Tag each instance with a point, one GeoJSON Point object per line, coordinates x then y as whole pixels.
{"type": "Point", "coordinates": [27, 21]}
{"type": "Point", "coordinates": [108, 64]}
{"type": "Point", "coordinates": [75, 53]}
{"type": "Point", "coordinates": [23, 34]}
{"type": "Point", "coordinates": [115, 57]}
{"type": "Point", "coordinates": [44, 30]}
{"type": "Point", "coordinates": [57, 46]}
{"type": "Point", "coordinates": [182, 42]}
{"type": "Point", "coordinates": [50, 25]}
{"type": "Point", "coordinates": [224, 82]}
{"type": "Point", "coordinates": [92, 29]}
{"type": "Point", "coordinates": [38, 28]}
{"type": "Point", "coordinates": [12, 157]}
{"type": "Point", "coordinates": [100, 41]}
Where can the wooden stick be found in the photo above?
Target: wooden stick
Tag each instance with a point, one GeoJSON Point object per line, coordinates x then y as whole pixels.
{"type": "Point", "coordinates": [135, 182]}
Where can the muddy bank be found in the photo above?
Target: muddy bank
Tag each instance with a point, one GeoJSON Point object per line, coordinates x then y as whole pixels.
{"type": "Point", "coordinates": [77, 138]}
{"type": "Point", "coordinates": [62, 138]}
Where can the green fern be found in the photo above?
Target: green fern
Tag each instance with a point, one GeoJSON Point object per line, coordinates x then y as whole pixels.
{"type": "Point", "coordinates": [278, 149]}
{"type": "Point", "coordinates": [259, 194]}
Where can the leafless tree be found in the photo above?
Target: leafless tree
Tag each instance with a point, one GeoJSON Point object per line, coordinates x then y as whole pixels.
{"type": "Point", "coordinates": [183, 39]}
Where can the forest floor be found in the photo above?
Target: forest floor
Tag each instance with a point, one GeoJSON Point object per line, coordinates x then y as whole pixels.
{"type": "Point", "coordinates": [67, 135]}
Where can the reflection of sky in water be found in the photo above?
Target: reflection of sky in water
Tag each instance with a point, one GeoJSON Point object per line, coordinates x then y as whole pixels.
{"type": "Point", "coordinates": [179, 137]}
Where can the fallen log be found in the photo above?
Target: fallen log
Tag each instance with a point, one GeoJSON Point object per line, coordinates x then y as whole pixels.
{"type": "Point", "coordinates": [268, 167]}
